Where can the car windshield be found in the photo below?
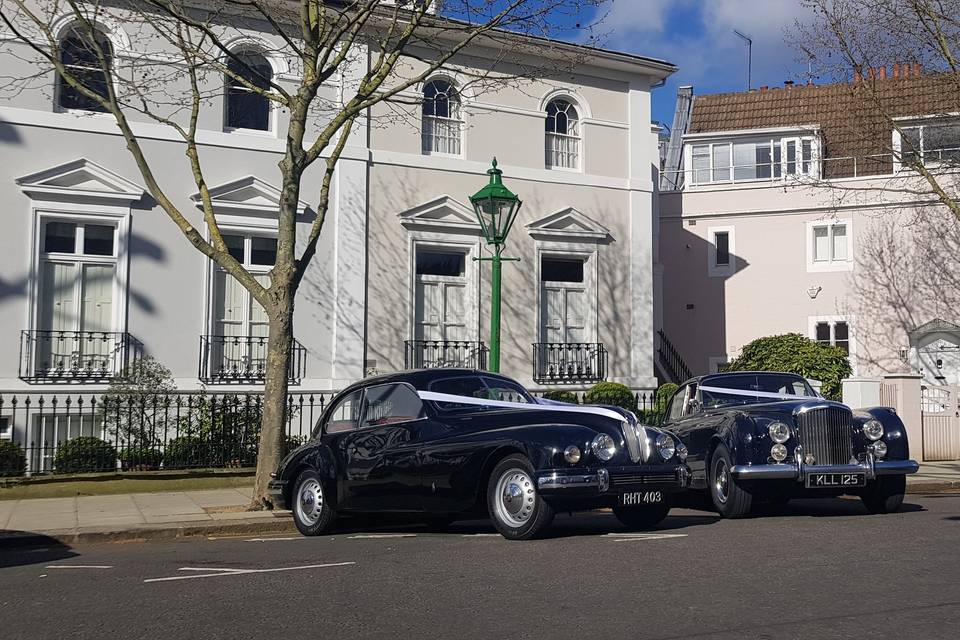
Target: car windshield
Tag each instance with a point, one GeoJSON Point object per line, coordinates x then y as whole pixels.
{"type": "Point", "coordinates": [478, 387]}
{"type": "Point", "coordinates": [724, 391]}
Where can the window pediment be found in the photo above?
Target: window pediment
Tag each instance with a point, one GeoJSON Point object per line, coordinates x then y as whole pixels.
{"type": "Point", "coordinates": [443, 214]}
{"type": "Point", "coordinates": [80, 180]}
{"type": "Point", "coordinates": [568, 224]}
{"type": "Point", "coordinates": [248, 195]}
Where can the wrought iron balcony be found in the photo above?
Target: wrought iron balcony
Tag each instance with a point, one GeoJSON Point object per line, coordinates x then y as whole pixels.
{"type": "Point", "coordinates": [569, 362]}
{"type": "Point", "coordinates": [431, 354]}
{"type": "Point", "coordinates": [74, 355]}
{"type": "Point", "coordinates": [225, 359]}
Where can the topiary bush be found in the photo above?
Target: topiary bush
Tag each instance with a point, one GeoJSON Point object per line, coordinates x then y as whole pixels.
{"type": "Point", "coordinates": [612, 393]}
{"type": "Point", "coordinates": [562, 395]}
{"type": "Point", "coordinates": [140, 459]}
{"type": "Point", "coordinates": [85, 454]}
{"type": "Point", "coordinates": [794, 353]}
{"type": "Point", "coordinates": [13, 461]}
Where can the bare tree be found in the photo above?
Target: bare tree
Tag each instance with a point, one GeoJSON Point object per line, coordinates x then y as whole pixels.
{"type": "Point", "coordinates": [858, 40]}
{"type": "Point", "coordinates": [374, 50]}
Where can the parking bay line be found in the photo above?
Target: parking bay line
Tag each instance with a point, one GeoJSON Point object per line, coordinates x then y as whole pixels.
{"type": "Point", "coordinates": [79, 566]}
{"type": "Point", "coordinates": [630, 537]}
{"type": "Point", "coordinates": [377, 536]}
{"type": "Point", "coordinates": [236, 572]}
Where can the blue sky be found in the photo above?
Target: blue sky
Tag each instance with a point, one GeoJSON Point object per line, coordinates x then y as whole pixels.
{"type": "Point", "coordinates": [697, 36]}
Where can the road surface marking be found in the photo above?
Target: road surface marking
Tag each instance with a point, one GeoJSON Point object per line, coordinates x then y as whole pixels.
{"type": "Point", "coordinates": [277, 539]}
{"type": "Point", "coordinates": [79, 566]}
{"type": "Point", "coordinates": [376, 536]}
{"type": "Point", "coordinates": [631, 537]}
{"type": "Point", "coordinates": [481, 535]}
{"type": "Point", "coordinates": [236, 572]}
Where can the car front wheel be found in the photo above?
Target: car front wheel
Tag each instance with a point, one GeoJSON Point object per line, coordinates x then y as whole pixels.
{"type": "Point", "coordinates": [643, 517]}
{"type": "Point", "coordinates": [516, 508]}
{"type": "Point", "coordinates": [312, 511]}
{"type": "Point", "coordinates": [730, 499]}
{"type": "Point", "coordinates": [885, 494]}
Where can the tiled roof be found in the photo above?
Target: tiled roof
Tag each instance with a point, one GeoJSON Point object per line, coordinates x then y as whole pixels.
{"type": "Point", "coordinates": [853, 117]}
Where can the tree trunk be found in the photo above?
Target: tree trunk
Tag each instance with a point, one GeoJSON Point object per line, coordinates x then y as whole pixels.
{"type": "Point", "coordinates": [273, 425]}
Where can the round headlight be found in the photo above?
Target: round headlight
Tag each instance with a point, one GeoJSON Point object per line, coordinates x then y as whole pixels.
{"type": "Point", "coordinates": [603, 447]}
{"type": "Point", "coordinates": [665, 446]}
{"type": "Point", "coordinates": [682, 451]}
{"type": "Point", "coordinates": [778, 452]}
{"type": "Point", "coordinates": [880, 449]}
{"type": "Point", "coordinates": [873, 429]}
{"type": "Point", "coordinates": [779, 432]}
{"type": "Point", "coordinates": [572, 454]}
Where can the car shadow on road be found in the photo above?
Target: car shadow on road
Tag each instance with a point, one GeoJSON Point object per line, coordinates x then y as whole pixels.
{"type": "Point", "coordinates": [18, 548]}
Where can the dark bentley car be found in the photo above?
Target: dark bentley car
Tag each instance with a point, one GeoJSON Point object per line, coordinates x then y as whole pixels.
{"type": "Point", "coordinates": [771, 436]}
{"type": "Point", "coordinates": [449, 444]}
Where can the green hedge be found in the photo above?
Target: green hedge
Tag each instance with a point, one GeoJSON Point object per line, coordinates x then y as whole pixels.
{"type": "Point", "coordinates": [612, 393]}
{"type": "Point", "coordinates": [85, 454]}
{"type": "Point", "coordinates": [562, 395]}
{"type": "Point", "coordinates": [140, 459]}
{"type": "Point", "coordinates": [13, 461]}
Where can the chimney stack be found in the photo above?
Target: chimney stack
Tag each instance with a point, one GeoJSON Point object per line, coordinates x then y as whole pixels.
{"type": "Point", "coordinates": [872, 73]}
{"type": "Point", "coordinates": [857, 76]}
{"type": "Point", "coordinates": [916, 69]}
{"type": "Point", "coordinates": [896, 70]}
{"type": "Point", "coordinates": [882, 73]}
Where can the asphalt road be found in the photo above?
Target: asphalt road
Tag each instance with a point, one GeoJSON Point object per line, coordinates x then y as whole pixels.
{"type": "Point", "coordinates": [820, 569]}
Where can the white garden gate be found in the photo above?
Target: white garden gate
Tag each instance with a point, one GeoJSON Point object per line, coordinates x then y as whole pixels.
{"type": "Point", "coordinates": [941, 422]}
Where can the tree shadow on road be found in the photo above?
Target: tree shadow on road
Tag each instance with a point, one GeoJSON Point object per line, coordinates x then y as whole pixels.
{"type": "Point", "coordinates": [18, 548]}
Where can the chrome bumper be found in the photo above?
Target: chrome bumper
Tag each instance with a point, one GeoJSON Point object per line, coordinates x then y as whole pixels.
{"type": "Point", "coordinates": [599, 480]}
{"type": "Point", "coordinates": [798, 470]}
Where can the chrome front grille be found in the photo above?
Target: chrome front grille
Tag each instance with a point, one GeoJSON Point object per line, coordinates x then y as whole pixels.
{"type": "Point", "coordinates": [641, 478]}
{"type": "Point", "coordinates": [825, 433]}
{"type": "Point", "coordinates": [630, 430]}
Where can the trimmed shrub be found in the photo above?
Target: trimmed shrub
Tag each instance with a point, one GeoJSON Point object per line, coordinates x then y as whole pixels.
{"type": "Point", "coordinates": [13, 461]}
{"type": "Point", "coordinates": [85, 454]}
{"type": "Point", "coordinates": [612, 393]}
{"type": "Point", "coordinates": [794, 353]}
{"type": "Point", "coordinates": [140, 459]}
{"type": "Point", "coordinates": [649, 417]}
{"type": "Point", "coordinates": [186, 452]}
{"type": "Point", "coordinates": [562, 395]}
{"type": "Point", "coordinates": [664, 393]}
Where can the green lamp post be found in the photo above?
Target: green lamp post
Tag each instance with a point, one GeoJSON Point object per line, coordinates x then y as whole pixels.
{"type": "Point", "coordinates": [496, 208]}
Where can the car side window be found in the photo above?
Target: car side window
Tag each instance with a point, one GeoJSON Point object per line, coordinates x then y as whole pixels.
{"type": "Point", "coordinates": [390, 404]}
{"type": "Point", "coordinates": [345, 414]}
{"type": "Point", "coordinates": [675, 411]}
{"type": "Point", "coordinates": [690, 403]}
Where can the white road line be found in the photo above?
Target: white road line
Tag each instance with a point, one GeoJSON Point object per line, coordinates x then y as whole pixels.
{"type": "Point", "coordinates": [79, 566]}
{"type": "Point", "coordinates": [276, 539]}
{"type": "Point", "coordinates": [236, 572]}
{"type": "Point", "coordinates": [377, 536]}
{"type": "Point", "coordinates": [633, 537]}
{"type": "Point", "coordinates": [481, 535]}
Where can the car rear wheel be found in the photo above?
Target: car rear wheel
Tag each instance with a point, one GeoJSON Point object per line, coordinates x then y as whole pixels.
{"type": "Point", "coordinates": [516, 508]}
{"type": "Point", "coordinates": [730, 499]}
{"type": "Point", "coordinates": [644, 517]}
{"type": "Point", "coordinates": [313, 514]}
{"type": "Point", "coordinates": [885, 494]}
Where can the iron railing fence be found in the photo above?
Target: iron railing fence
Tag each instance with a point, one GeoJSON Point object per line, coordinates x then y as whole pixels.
{"type": "Point", "coordinates": [670, 359]}
{"type": "Point", "coordinates": [89, 432]}
{"type": "Point", "coordinates": [74, 355]}
{"type": "Point", "coordinates": [569, 362]}
{"type": "Point", "coordinates": [244, 359]}
{"type": "Point", "coordinates": [430, 354]}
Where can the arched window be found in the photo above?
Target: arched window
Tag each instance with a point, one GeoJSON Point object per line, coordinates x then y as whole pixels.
{"type": "Point", "coordinates": [79, 54]}
{"type": "Point", "coordinates": [246, 108]}
{"type": "Point", "coordinates": [441, 118]}
{"type": "Point", "coordinates": [563, 135]}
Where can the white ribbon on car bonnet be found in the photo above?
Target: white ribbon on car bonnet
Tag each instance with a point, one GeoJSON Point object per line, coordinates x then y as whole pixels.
{"type": "Point", "coordinates": [483, 402]}
{"type": "Point", "coordinates": [755, 394]}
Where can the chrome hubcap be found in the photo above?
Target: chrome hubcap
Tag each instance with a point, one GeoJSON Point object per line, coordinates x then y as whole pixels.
{"type": "Point", "coordinates": [721, 482]}
{"type": "Point", "coordinates": [516, 498]}
{"type": "Point", "coordinates": [309, 503]}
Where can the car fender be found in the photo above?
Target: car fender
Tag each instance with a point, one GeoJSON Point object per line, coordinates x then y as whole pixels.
{"type": "Point", "coordinates": [736, 431]}
{"type": "Point", "coordinates": [312, 455]}
{"type": "Point", "coordinates": [895, 432]}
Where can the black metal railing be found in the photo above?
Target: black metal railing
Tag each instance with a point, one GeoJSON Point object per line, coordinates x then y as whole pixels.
{"type": "Point", "coordinates": [671, 361]}
{"type": "Point", "coordinates": [74, 355]}
{"type": "Point", "coordinates": [225, 359]}
{"type": "Point", "coordinates": [569, 362]}
{"type": "Point", "coordinates": [431, 354]}
{"type": "Point", "coordinates": [141, 431]}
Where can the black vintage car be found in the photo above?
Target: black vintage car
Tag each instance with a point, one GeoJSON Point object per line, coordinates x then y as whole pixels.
{"type": "Point", "coordinates": [771, 436]}
{"type": "Point", "coordinates": [454, 443]}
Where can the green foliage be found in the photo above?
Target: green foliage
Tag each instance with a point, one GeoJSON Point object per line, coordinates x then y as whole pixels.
{"type": "Point", "coordinates": [85, 454]}
{"type": "Point", "coordinates": [138, 408]}
{"type": "Point", "coordinates": [649, 417]}
{"type": "Point", "coordinates": [664, 393]}
{"type": "Point", "coordinates": [140, 459]}
{"type": "Point", "coordinates": [612, 393]}
{"type": "Point", "coordinates": [562, 395]}
{"type": "Point", "coordinates": [185, 452]}
{"type": "Point", "coordinates": [13, 461]}
{"type": "Point", "coordinates": [793, 353]}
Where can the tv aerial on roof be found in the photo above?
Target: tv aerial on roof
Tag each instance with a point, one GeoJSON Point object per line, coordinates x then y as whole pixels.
{"type": "Point", "coordinates": [749, 42]}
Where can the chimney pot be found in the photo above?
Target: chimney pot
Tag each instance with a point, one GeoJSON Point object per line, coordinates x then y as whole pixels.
{"type": "Point", "coordinates": [788, 83]}
{"type": "Point", "coordinates": [896, 70]}
{"type": "Point", "coordinates": [857, 76]}
{"type": "Point", "coordinates": [809, 82]}
{"type": "Point", "coordinates": [764, 88]}
{"type": "Point", "coordinates": [882, 73]}
{"type": "Point", "coordinates": [917, 69]}
{"type": "Point", "coordinates": [905, 70]}
{"type": "Point", "coordinates": [872, 73]}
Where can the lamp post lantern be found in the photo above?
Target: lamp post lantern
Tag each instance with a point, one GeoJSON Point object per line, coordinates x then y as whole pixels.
{"type": "Point", "coordinates": [496, 208]}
